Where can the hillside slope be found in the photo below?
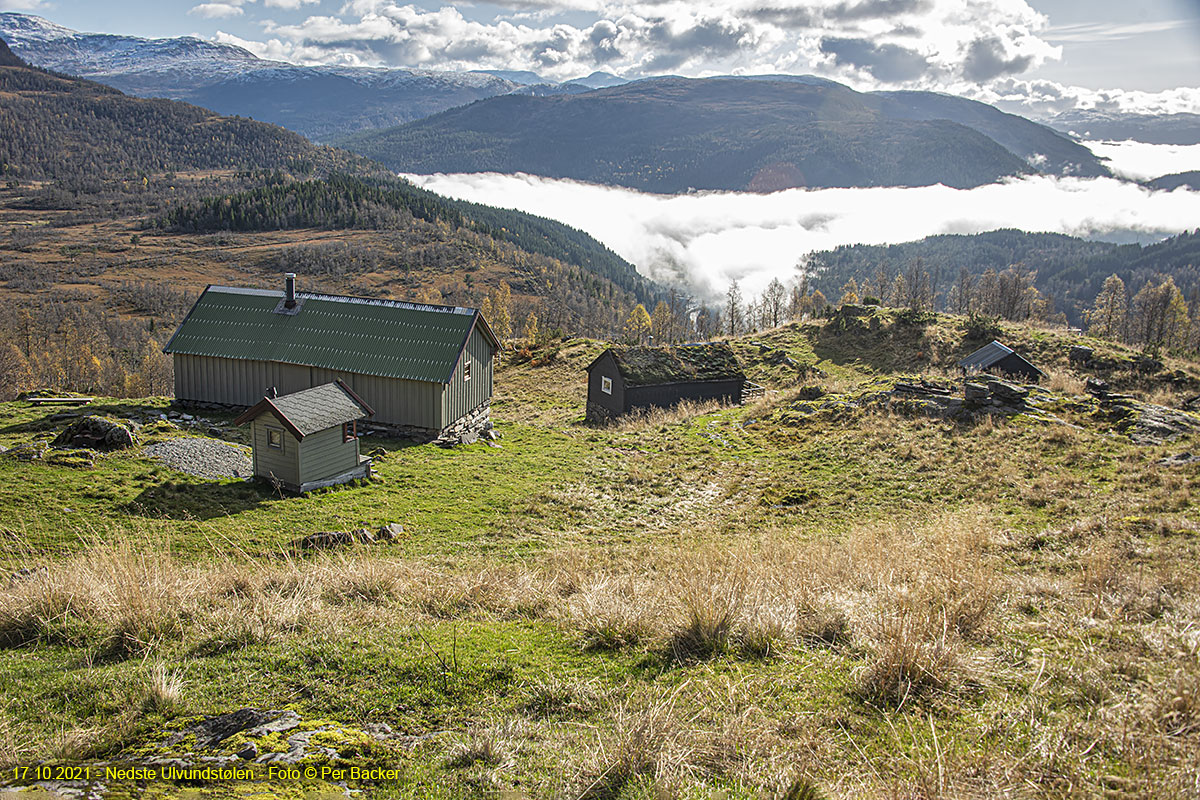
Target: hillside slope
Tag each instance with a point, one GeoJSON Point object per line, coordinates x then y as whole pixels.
{"type": "Point", "coordinates": [55, 127]}
{"type": "Point", "coordinates": [676, 134]}
{"type": "Point", "coordinates": [838, 597]}
{"type": "Point", "coordinates": [1070, 269]}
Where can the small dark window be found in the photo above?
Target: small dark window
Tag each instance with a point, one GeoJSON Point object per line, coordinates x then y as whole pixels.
{"type": "Point", "coordinates": [349, 431]}
{"type": "Point", "coordinates": [275, 438]}
{"type": "Point", "coordinates": [467, 370]}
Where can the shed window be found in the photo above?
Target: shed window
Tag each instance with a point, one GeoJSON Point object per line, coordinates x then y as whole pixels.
{"type": "Point", "coordinates": [606, 385]}
{"type": "Point", "coordinates": [275, 438]}
{"type": "Point", "coordinates": [467, 370]}
{"type": "Point", "coordinates": [349, 431]}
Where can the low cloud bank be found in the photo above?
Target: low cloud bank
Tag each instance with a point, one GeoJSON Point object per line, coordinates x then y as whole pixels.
{"type": "Point", "coordinates": [1142, 161]}
{"type": "Point", "coordinates": [704, 241]}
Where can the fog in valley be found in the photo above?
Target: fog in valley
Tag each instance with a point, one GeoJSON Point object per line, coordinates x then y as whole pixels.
{"type": "Point", "coordinates": [705, 240]}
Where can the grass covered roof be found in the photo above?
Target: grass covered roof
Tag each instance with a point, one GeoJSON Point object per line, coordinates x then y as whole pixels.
{"type": "Point", "coordinates": [645, 366]}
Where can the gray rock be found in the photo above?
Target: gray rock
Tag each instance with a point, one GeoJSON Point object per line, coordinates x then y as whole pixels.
{"type": "Point", "coordinates": [284, 722]}
{"type": "Point", "coordinates": [27, 451]}
{"type": "Point", "coordinates": [974, 392]}
{"type": "Point", "coordinates": [1080, 354]}
{"type": "Point", "coordinates": [1179, 460]}
{"type": "Point", "coordinates": [214, 730]}
{"type": "Point", "coordinates": [1096, 387]}
{"type": "Point", "coordinates": [95, 433]}
{"type": "Point", "coordinates": [1007, 393]}
{"type": "Point", "coordinates": [323, 540]}
{"type": "Point", "coordinates": [249, 752]}
{"type": "Point", "coordinates": [299, 747]}
{"type": "Point", "coordinates": [390, 532]}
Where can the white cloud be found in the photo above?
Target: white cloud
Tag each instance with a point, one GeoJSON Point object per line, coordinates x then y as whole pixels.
{"type": "Point", "coordinates": [1141, 161]}
{"type": "Point", "coordinates": [1047, 97]}
{"type": "Point", "coordinates": [708, 240]}
{"type": "Point", "coordinates": [290, 5]}
{"type": "Point", "coordinates": [21, 5]}
{"type": "Point", "coordinates": [915, 41]}
{"type": "Point", "coordinates": [1093, 32]}
{"type": "Point", "coordinates": [215, 10]}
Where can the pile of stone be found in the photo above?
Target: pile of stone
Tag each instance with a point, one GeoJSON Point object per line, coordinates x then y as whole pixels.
{"type": "Point", "coordinates": [96, 433]}
{"type": "Point", "coordinates": [325, 540]}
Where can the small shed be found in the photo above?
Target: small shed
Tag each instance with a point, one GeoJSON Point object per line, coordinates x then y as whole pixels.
{"type": "Point", "coordinates": [308, 439]}
{"type": "Point", "coordinates": [624, 379]}
{"type": "Point", "coordinates": [995, 357]}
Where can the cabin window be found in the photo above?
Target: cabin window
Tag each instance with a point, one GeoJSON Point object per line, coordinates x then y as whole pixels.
{"type": "Point", "coordinates": [349, 431]}
{"type": "Point", "coordinates": [606, 385]}
{"type": "Point", "coordinates": [275, 438]}
{"type": "Point", "coordinates": [467, 369]}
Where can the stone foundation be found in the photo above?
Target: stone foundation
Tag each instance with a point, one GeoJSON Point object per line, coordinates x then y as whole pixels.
{"type": "Point", "coordinates": [597, 414]}
{"type": "Point", "coordinates": [472, 425]}
{"type": "Point", "coordinates": [468, 428]}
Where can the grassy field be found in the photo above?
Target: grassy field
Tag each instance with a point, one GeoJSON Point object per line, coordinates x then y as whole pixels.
{"type": "Point", "coordinates": [741, 602]}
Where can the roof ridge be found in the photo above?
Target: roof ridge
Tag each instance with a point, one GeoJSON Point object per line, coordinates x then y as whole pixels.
{"type": "Point", "coordinates": [350, 299]}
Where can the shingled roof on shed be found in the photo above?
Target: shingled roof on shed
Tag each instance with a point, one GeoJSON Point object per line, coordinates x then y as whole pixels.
{"type": "Point", "coordinates": [311, 410]}
{"type": "Point", "coordinates": [648, 366]}
{"type": "Point", "coordinates": [365, 336]}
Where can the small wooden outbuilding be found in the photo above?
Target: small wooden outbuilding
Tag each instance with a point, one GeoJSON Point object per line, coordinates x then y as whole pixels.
{"type": "Point", "coordinates": [308, 439]}
{"type": "Point", "coordinates": [995, 357]}
{"type": "Point", "coordinates": [625, 379]}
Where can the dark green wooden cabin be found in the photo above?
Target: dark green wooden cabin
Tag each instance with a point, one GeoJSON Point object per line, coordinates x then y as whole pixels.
{"type": "Point", "coordinates": [626, 379]}
{"type": "Point", "coordinates": [308, 439]}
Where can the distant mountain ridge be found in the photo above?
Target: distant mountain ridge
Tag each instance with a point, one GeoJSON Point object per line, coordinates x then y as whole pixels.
{"type": "Point", "coordinates": [760, 134]}
{"type": "Point", "coordinates": [317, 102]}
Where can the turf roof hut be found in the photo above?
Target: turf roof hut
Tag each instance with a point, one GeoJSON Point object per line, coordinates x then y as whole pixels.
{"type": "Point", "coordinates": [308, 439]}
{"type": "Point", "coordinates": [425, 369]}
{"type": "Point", "coordinates": [995, 357]}
{"type": "Point", "coordinates": [623, 379]}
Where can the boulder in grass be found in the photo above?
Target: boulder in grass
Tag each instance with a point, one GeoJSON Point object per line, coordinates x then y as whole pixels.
{"type": "Point", "coordinates": [1007, 393]}
{"type": "Point", "coordinates": [96, 433]}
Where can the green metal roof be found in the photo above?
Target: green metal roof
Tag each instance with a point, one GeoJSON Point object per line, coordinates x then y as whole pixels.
{"type": "Point", "coordinates": [349, 334]}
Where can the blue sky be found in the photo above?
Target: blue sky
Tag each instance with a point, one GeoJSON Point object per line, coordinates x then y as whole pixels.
{"type": "Point", "coordinates": [992, 49]}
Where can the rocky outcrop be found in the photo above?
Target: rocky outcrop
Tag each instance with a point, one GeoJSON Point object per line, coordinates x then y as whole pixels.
{"type": "Point", "coordinates": [96, 433]}
{"type": "Point", "coordinates": [1146, 423]}
{"type": "Point", "coordinates": [324, 540]}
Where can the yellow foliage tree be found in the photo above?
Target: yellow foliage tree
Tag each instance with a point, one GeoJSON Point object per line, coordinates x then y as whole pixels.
{"type": "Point", "coordinates": [637, 325]}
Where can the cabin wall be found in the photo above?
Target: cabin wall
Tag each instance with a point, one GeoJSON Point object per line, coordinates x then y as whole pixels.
{"type": "Point", "coordinates": [238, 382]}
{"type": "Point", "coordinates": [270, 462]}
{"type": "Point", "coordinates": [601, 406]}
{"type": "Point", "coordinates": [396, 402]}
{"type": "Point", "coordinates": [1013, 364]}
{"type": "Point", "coordinates": [666, 395]}
{"type": "Point", "coordinates": [323, 455]}
{"type": "Point", "coordinates": [460, 397]}
{"type": "Point", "coordinates": [234, 382]}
